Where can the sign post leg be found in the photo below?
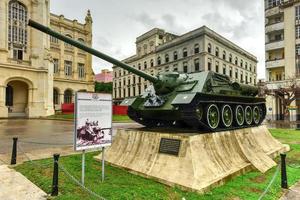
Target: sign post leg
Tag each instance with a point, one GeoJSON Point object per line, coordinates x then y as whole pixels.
{"type": "Point", "coordinates": [83, 167]}
{"type": "Point", "coordinates": [103, 163]}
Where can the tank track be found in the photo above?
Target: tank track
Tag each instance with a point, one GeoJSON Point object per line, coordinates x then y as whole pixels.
{"type": "Point", "coordinates": [190, 118]}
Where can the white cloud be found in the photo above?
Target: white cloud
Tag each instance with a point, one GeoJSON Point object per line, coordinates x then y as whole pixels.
{"type": "Point", "coordinates": [118, 23]}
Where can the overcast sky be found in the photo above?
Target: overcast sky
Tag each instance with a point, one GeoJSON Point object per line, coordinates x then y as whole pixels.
{"type": "Point", "coordinates": [117, 23]}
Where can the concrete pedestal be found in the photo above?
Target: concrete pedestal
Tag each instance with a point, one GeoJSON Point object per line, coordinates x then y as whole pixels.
{"type": "Point", "coordinates": [203, 161]}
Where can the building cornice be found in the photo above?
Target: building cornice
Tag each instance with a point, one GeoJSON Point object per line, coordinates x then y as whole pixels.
{"type": "Point", "coordinates": [22, 67]}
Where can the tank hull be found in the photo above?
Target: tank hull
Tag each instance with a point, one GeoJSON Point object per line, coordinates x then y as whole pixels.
{"type": "Point", "coordinates": [188, 115]}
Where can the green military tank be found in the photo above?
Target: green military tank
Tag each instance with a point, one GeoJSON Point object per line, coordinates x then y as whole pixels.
{"type": "Point", "coordinates": [203, 100]}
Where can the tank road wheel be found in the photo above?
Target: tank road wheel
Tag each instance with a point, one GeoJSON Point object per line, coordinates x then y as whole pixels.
{"type": "Point", "coordinates": [227, 116]}
{"type": "Point", "coordinates": [256, 115]}
{"type": "Point", "coordinates": [239, 115]}
{"type": "Point", "coordinates": [213, 116]}
{"type": "Point", "coordinates": [248, 115]}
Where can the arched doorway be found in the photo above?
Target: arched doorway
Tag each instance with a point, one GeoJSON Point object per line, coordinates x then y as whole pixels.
{"type": "Point", "coordinates": [16, 98]}
{"type": "Point", "coordinates": [68, 94]}
{"type": "Point", "coordinates": [55, 96]}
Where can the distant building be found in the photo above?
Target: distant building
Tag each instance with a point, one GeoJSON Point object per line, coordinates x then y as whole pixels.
{"type": "Point", "coordinates": [282, 33]}
{"type": "Point", "coordinates": [38, 72]}
{"type": "Point", "coordinates": [198, 50]}
{"type": "Point", "coordinates": [105, 76]}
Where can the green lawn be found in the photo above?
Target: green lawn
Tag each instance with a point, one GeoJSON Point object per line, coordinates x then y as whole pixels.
{"type": "Point", "coordinates": [116, 118]}
{"type": "Point", "coordinates": [120, 184]}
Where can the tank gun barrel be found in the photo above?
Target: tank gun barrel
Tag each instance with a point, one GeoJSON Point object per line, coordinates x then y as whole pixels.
{"type": "Point", "coordinates": [92, 51]}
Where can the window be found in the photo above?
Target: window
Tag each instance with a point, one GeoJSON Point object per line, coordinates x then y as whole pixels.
{"type": "Point", "coordinates": [145, 65]}
{"type": "Point", "coordinates": [224, 69]}
{"type": "Point", "coordinates": [297, 59]}
{"type": "Point", "coordinates": [230, 58]}
{"type": "Point", "coordinates": [175, 55]}
{"type": "Point", "coordinates": [217, 67]}
{"type": "Point", "coordinates": [297, 31]}
{"type": "Point", "coordinates": [185, 54]}
{"type": "Point", "coordinates": [250, 67]}
{"type": "Point", "coordinates": [55, 66]}
{"type": "Point", "coordinates": [297, 12]}
{"type": "Point", "coordinates": [196, 48]}
{"type": "Point", "coordinates": [139, 66]}
{"type": "Point", "coordinates": [17, 29]}
{"type": "Point", "coordinates": [273, 3]}
{"type": "Point", "coordinates": [55, 96]}
{"type": "Point", "coordinates": [68, 96]}
{"type": "Point", "coordinates": [158, 60]}
{"type": "Point", "coordinates": [236, 61]}
{"type": "Point", "coordinates": [175, 68]}
{"type": "Point", "coordinates": [217, 52]}
{"type": "Point", "coordinates": [81, 71]}
{"type": "Point", "coordinates": [246, 78]}
{"type": "Point", "coordinates": [53, 40]}
{"type": "Point", "coordinates": [167, 58]}
{"type": "Point", "coordinates": [209, 48]}
{"type": "Point", "coordinates": [185, 67]}
{"type": "Point", "coordinates": [81, 40]}
{"type": "Point", "coordinates": [68, 68]}
{"type": "Point", "coordinates": [241, 63]}
{"type": "Point", "coordinates": [66, 44]}
{"type": "Point", "coordinates": [236, 73]}
{"type": "Point", "coordinates": [246, 65]}
{"type": "Point", "coordinates": [224, 55]}
{"type": "Point", "coordinates": [209, 65]}
{"type": "Point", "coordinates": [197, 65]}
{"type": "Point", "coordinates": [242, 80]}
{"type": "Point", "coordinates": [230, 72]}
{"type": "Point", "coordinates": [151, 63]}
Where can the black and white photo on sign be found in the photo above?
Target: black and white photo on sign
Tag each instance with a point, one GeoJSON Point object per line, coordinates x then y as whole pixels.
{"type": "Point", "coordinates": [93, 121]}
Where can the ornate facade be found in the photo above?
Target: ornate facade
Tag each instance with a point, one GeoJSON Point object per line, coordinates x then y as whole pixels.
{"type": "Point", "coordinates": [198, 50]}
{"type": "Point", "coordinates": [38, 73]}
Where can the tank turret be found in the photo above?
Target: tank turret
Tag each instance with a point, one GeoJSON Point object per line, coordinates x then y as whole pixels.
{"type": "Point", "coordinates": [202, 100]}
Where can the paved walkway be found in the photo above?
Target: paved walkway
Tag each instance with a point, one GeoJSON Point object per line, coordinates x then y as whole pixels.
{"type": "Point", "coordinates": [293, 193]}
{"type": "Point", "coordinates": [14, 186]}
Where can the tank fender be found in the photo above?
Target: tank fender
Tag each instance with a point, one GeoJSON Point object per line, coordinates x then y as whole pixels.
{"type": "Point", "coordinates": [183, 98]}
{"type": "Point", "coordinates": [128, 101]}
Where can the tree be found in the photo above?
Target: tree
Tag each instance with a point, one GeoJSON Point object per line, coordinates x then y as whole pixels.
{"type": "Point", "coordinates": [286, 92]}
{"type": "Point", "coordinates": [103, 87]}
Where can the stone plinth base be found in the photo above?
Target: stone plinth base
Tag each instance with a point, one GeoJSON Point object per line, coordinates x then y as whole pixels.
{"type": "Point", "coordinates": [203, 160]}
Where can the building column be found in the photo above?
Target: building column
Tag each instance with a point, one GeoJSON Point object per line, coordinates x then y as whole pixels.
{"type": "Point", "coordinates": [3, 108]}
{"type": "Point", "coordinates": [3, 33]}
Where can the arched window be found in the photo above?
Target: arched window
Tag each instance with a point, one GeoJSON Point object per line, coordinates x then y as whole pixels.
{"type": "Point", "coordinates": [139, 66]}
{"type": "Point", "coordinates": [17, 29]}
{"type": "Point", "coordinates": [55, 96]}
{"type": "Point", "coordinates": [158, 60]}
{"type": "Point", "coordinates": [236, 61]}
{"type": "Point", "coordinates": [217, 52]}
{"type": "Point", "coordinates": [81, 40]}
{"type": "Point", "coordinates": [209, 48]}
{"type": "Point", "coordinates": [68, 96]}
{"type": "Point", "coordinates": [175, 55]}
{"type": "Point", "coordinates": [151, 63]}
{"type": "Point", "coordinates": [145, 65]}
{"type": "Point", "coordinates": [66, 44]}
{"type": "Point", "coordinates": [224, 55]}
{"type": "Point", "coordinates": [196, 48]}
{"type": "Point", "coordinates": [167, 58]}
{"type": "Point", "coordinates": [246, 65]}
{"type": "Point", "coordinates": [241, 64]}
{"type": "Point", "coordinates": [230, 58]}
{"type": "Point", "coordinates": [185, 54]}
{"type": "Point", "coordinates": [9, 94]}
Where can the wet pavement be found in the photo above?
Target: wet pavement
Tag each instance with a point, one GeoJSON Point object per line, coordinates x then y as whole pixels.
{"type": "Point", "coordinates": [41, 131]}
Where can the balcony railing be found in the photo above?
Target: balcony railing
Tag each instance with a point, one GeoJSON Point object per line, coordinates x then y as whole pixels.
{"type": "Point", "coordinates": [276, 44]}
{"type": "Point", "coordinates": [274, 27]}
{"type": "Point", "coordinates": [279, 62]}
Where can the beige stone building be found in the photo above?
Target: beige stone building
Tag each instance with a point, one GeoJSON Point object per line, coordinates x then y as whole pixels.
{"type": "Point", "coordinates": [38, 72]}
{"type": "Point", "coordinates": [198, 50]}
{"type": "Point", "coordinates": [282, 36]}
